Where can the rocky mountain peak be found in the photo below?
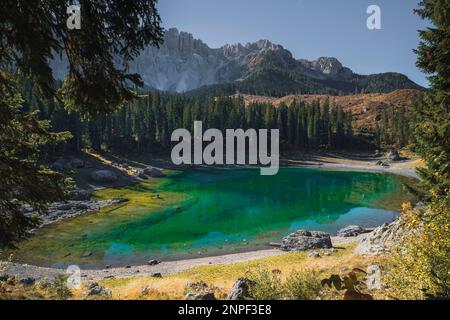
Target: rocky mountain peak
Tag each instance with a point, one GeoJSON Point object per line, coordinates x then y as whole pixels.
{"type": "Point", "coordinates": [183, 63]}
{"type": "Point", "coordinates": [328, 67]}
{"type": "Point", "coordinates": [263, 45]}
{"type": "Point", "coordinates": [182, 43]}
{"type": "Point", "coordinates": [234, 50]}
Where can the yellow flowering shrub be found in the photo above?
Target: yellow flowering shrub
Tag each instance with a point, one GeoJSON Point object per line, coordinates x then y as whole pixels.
{"type": "Point", "coordinates": [420, 264]}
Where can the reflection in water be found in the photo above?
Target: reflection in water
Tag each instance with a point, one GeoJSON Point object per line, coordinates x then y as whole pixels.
{"type": "Point", "coordinates": [221, 210]}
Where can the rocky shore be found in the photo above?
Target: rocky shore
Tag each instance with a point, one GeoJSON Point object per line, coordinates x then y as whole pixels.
{"type": "Point", "coordinates": [72, 208]}
{"type": "Point", "coordinates": [90, 174]}
{"type": "Point", "coordinates": [297, 241]}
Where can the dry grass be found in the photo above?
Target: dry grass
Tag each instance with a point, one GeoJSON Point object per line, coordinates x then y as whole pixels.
{"type": "Point", "coordinates": [222, 277]}
{"type": "Point", "coordinates": [219, 277]}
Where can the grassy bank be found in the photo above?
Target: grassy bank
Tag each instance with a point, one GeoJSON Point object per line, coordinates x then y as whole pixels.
{"type": "Point", "coordinates": [222, 277]}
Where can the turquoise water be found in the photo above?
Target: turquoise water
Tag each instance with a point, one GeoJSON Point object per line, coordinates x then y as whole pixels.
{"type": "Point", "coordinates": [218, 211]}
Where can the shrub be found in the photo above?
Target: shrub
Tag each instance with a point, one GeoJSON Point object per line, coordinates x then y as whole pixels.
{"type": "Point", "coordinates": [302, 286]}
{"type": "Point", "coordinates": [268, 285]}
{"type": "Point", "coordinates": [419, 268]}
{"type": "Point", "coordinates": [59, 286]}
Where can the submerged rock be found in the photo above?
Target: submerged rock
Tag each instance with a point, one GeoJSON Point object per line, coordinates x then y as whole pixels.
{"type": "Point", "coordinates": [153, 172]}
{"type": "Point", "coordinates": [86, 254]}
{"type": "Point", "coordinates": [303, 240]}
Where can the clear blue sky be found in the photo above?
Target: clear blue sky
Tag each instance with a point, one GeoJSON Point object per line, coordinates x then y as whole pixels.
{"type": "Point", "coordinates": [309, 29]}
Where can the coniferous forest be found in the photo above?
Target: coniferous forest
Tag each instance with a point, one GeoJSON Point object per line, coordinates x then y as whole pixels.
{"type": "Point", "coordinates": [145, 125]}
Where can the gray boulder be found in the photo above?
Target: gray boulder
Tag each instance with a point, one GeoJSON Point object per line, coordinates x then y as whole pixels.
{"type": "Point", "coordinates": [27, 281]}
{"type": "Point", "coordinates": [382, 239]}
{"type": "Point", "coordinates": [393, 155]}
{"type": "Point", "coordinates": [104, 176]}
{"type": "Point", "coordinates": [350, 231]}
{"type": "Point", "coordinates": [153, 262]}
{"type": "Point", "coordinates": [200, 296]}
{"type": "Point", "coordinates": [153, 172]}
{"type": "Point", "coordinates": [373, 278]}
{"type": "Point", "coordinates": [303, 240]}
{"type": "Point", "coordinates": [314, 254]}
{"type": "Point", "coordinates": [64, 206]}
{"type": "Point", "coordinates": [94, 289]}
{"type": "Point", "coordinates": [80, 195]}
{"type": "Point", "coordinates": [241, 289]}
{"type": "Point", "coordinates": [196, 286]}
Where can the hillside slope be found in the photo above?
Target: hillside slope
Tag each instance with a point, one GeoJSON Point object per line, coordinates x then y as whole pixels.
{"type": "Point", "coordinates": [365, 108]}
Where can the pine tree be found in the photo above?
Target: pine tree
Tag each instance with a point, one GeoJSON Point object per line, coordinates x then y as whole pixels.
{"type": "Point", "coordinates": [422, 264]}
{"type": "Point", "coordinates": [32, 33]}
{"type": "Point", "coordinates": [22, 181]}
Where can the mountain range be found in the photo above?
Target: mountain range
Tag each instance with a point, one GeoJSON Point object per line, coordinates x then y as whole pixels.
{"type": "Point", "coordinates": [186, 64]}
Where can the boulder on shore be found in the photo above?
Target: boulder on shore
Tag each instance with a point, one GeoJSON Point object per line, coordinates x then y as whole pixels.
{"type": "Point", "coordinates": [393, 155]}
{"type": "Point", "coordinates": [104, 176]}
{"type": "Point", "coordinates": [200, 296]}
{"type": "Point", "coordinates": [153, 172]}
{"type": "Point", "coordinates": [153, 262]}
{"type": "Point", "coordinates": [350, 231]}
{"type": "Point", "coordinates": [94, 289]}
{"type": "Point", "coordinates": [80, 195]}
{"type": "Point", "coordinates": [303, 240]}
{"type": "Point", "coordinates": [382, 239]}
{"type": "Point", "coordinates": [241, 289]}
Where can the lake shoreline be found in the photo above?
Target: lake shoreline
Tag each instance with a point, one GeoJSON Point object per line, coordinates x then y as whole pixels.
{"type": "Point", "coordinates": [401, 168]}
{"type": "Point", "coordinates": [24, 271]}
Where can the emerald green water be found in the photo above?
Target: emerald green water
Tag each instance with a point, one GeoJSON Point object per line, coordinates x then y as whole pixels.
{"type": "Point", "coordinates": [214, 211]}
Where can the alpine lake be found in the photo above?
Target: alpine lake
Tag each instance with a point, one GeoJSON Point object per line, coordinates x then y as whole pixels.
{"type": "Point", "coordinates": [212, 211]}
